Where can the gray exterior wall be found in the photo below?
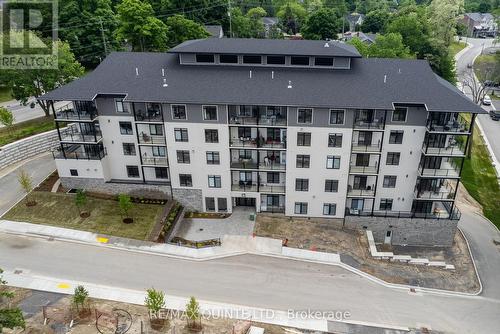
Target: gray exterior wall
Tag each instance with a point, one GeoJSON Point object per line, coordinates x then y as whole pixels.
{"type": "Point", "coordinates": [416, 116]}
{"type": "Point", "coordinates": [195, 114]}
{"type": "Point", "coordinates": [113, 188]}
{"type": "Point", "coordinates": [407, 231]}
{"type": "Point", "coordinates": [321, 118]}
{"type": "Point", "coordinates": [191, 199]}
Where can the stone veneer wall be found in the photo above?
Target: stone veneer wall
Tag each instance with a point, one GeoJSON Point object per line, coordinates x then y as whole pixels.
{"type": "Point", "coordinates": [152, 191]}
{"type": "Point", "coordinates": [28, 147]}
{"type": "Point", "coordinates": [407, 231]}
{"type": "Point", "coordinates": [191, 199]}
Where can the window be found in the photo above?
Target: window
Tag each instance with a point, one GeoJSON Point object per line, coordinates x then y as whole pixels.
{"type": "Point", "coordinates": [210, 113]}
{"type": "Point", "coordinates": [185, 180]}
{"type": "Point", "coordinates": [211, 136]}
{"type": "Point", "coordinates": [276, 60]}
{"type": "Point", "coordinates": [159, 151]}
{"type": "Point", "coordinates": [133, 171]}
{"type": "Point", "coordinates": [329, 209]}
{"type": "Point", "coordinates": [331, 186]}
{"type": "Point", "coordinates": [323, 61]}
{"type": "Point", "coordinates": [300, 208]}
{"type": "Point", "coordinates": [228, 59]}
{"type": "Point", "coordinates": [222, 204]}
{"type": "Point", "coordinates": [332, 162]}
{"type": "Point", "coordinates": [156, 129]}
{"type": "Point", "coordinates": [396, 137]}
{"type": "Point", "coordinates": [399, 114]}
{"type": "Point", "coordinates": [389, 181]}
{"type": "Point", "coordinates": [210, 204]}
{"type": "Point", "coordinates": [301, 184]}
{"type": "Point", "coordinates": [385, 204]}
{"type": "Point", "coordinates": [128, 149]}
{"type": "Point", "coordinates": [393, 158]}
{"type": "Point", "coordinates": [304, 115]}
{"type": "Point", "coordinates": [214, 181]}
{"type": "Point", "coordinates": [303, 161]}
{"type": "Point", "coordinates": [252, 60]}
{"type": "Point", "coordinates": [121, 107]}
{"type": "Point", "coordinates": [178, 111]}
{"type": "Point", "coordinates": [273, 177]}
{"type": "Point", "coordinates": [303, 139]}
{"type": "Point", "coordinates": [126, 128]}
{"type": "Point", "coordinates": [73, 172]}
{"type": "Point", "coordinates": [161, 172]}
{"type": "Point", "coordinates": [336, 116]}
{"type": "Point", "coordinates": [335, 140]}
{"type": "Point", "coordinates": [244, 132]}
{"type": "Point", "coordinates": [213, 158]}
{"type": "Point", "coordinates": [183, 157]}
{"type": "Point", "coordinates": [205, 58]}
{"type": "Point", "coordinates": [181, 135]}
{"type": "Point", "coordinates": [298, 60]}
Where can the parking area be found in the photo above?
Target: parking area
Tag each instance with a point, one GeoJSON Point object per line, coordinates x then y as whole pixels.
{"type": "Point", "coordinates": [198, 229]}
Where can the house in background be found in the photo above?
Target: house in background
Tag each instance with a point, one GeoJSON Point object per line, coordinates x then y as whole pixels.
{"type": "Point", "coordinates": [215, 30]}
{"type": "Point", "coordinates": [354, 20]}
{"type": "Point", "coordinates": [480, 24]}
{"type": "Point", "coordinates": [367, 38]}
{"type": "Point", "coordinates": [269, 24]}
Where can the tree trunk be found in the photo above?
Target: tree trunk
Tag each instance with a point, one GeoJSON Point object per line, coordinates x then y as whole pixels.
{"type": "Point", "coordinates": [45, 107]}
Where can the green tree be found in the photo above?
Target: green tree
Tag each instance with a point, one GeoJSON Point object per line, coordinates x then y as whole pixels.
{"type": "Point", "coordinates": [192, 312]}
{"type": "Point", "coordinates": [375, 21]}
{"type": "Point", "coordinates": [80, 297]}
{"type": "Point", "coordinates": [385, 46]}
{"type": "Point", "coordinates": [138, 26]}
{"type": "Point", "coordinates": [443, 19]}
{"type": "Point", "coordinates": [291, 16]}
{"type": "Point", "coordinates": [323, 24]}
{"type": "Point", "coordinates": [80, 200]}
{"type": "Point", "coordinates": [26, 183]}
{"type": "Point", "coordinates": [338, 5]}
{"type": "Point", "coordinates": [181, 29]}
{"type": "Point", "coordinates": [366, 6]}
{"type": "Point", "coordinates": [35, 82]}
{"type": "Point", "coordinates": [6, 117]}
{"type": "Point", "coordinates": [125, 204]}
{"type": "Point", "coordinates": [9, 317]}
{"type": "Point", "coordinates": [240, 24]}
{"type": "Point", "coordinates": [155, 301]}
{"type": "Point", "coordinates": [255, 16]}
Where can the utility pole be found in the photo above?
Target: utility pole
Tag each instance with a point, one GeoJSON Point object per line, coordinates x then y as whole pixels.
{"type": "Point", "coordinates": [103, 37]}
{"type": "Point", "coordinates": [229, 14]}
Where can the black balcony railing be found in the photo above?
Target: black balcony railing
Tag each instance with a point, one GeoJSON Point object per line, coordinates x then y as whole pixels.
{"type": "Point", "coordinates": [244, 164]}
{"type": "Point", "coordinates": [244, 186]}
{"type": "Point", "coordinates": [272, 209]}
{"type": "Point", "coordinates": [451, 150]}
{"type": "Point", "coordinates": [454, 215]}
{"type": "Point", "coordinates": [157, 161]}
{"type": "Point", "coordinates": [260, 142]}
{"type": "Point", "coordinates": [151, 139]}
{"type": "Point", "coordinates": [362, 147]}
{"type": "Point", "coordinates": [460, 125]}
{"type": "Point", "coordinates": [76, 136]}
{"type": "Point", "coordinates": [150, 115]}
{"type": "Point", "coordinates": [79, 153]}
{"type": "Point", "coordinates": [364, 192]}
{"type": "Point", "coordinates": [271, 188]}
{"type": "Point", "coordinates": [363, 169]}
{"type": "Point", "coordinates": [67, 112]}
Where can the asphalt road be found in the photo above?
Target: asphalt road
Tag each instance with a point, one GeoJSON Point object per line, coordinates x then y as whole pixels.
{"type": "Point", "coordinates": [25, 113]}
{"type": "Point", "coordinates": [38, 167]}
{"type": "Point", "coordinates": [491, 128]}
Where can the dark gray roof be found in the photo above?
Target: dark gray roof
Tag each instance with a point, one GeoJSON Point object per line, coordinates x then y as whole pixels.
{"type": "Point", "coordinates": [406, 81]}
{"type": "Point", "coordinates": [266, 46]}
{"type": "Point", "coordinates": [478, 17]}
{"type": "Point", "coordinates": [268, 20]}
{"type": "Point", "coordinates": [214, 30]}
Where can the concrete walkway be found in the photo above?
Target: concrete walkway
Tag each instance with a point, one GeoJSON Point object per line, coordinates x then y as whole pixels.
{"type": "Point", "coordinates": [198, 229]}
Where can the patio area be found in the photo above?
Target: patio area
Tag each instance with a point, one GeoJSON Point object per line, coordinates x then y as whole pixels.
{"type": "Point", "coordinates": [198, 229]}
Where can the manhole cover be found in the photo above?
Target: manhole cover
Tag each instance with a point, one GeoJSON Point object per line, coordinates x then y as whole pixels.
{"type": "Point", "coordinates": [18, 271]}
{"type": "Point", "coordinates": [201, 230]}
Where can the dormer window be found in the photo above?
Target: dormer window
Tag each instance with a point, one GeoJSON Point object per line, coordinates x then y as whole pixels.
{"type": "Point", "coordinates": [323, 61]}
{"type": "Point", "coordinates": [252, 59]}
{"type": "Point", "coordinates": [228, 59]}
{"type": "Point", "coordinates": [276, 60]}
{"type": "Point", "coordinates": [297, 60]}
{"type": "Point", "coordinates": [205, 58]}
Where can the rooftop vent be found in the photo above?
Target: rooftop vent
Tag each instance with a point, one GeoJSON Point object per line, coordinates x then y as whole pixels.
{"type": "Point", "coordinates": [289, 84]}
{"type": "Point", "coordinates": [250, 74]}
{"type": "Point", "coordinates": [272, 74]}
{"type": "Point", "coordinates": [326, 45]}
{"type": "Point", "coordinates": [137, 71]}
{"type": "Point", "coordinates": [162, 72]}
{"type": "Point", "coordinates": [165, 84]}
{"type": "Point", "coordinates": [385, 78]}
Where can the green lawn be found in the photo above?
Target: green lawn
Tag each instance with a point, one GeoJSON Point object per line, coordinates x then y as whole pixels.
{"type": "Point", "coordinates": [5, 94]}
{"type": "Point", "coordinates": [483, 64]}
{"type": "Point", "coordinates": [25, 129]}
{"type": "Point", "coordinates": [456, 46]}
{"type": "Point", "coordinates": [479, 177]}
{"type": "Point", "coordinates": [58, 209]}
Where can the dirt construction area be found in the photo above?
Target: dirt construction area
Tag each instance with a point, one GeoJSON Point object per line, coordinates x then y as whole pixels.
{"type": "Point", "coordinates": [328, 235]}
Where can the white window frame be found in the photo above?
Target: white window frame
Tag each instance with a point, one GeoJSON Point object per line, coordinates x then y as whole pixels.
{"type": "Point", "coordinates": [329, 206]}
{"type": "Point", "coordinates": [117, 101]}
{"type": "Point", "coordinates": [212, 181]}
{"type": "Point", "coordinates": [406, 115]}
{"type": "Point", "coordinates": [172, 112]}
{"type": "Point", "coordinates": [330, 116]}
{"type": "Point", "coordinates": [216, 112]}
{"type": "Point", "coordinates": [333, 158]}
{"type": "Point", "coordinates": [312, 115]}
{"type": "Point", "coordinates": [300, 203]}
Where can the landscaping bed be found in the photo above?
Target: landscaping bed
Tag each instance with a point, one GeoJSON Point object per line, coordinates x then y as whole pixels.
{"type": "Point", "coordinates": [195, 244]}
{"type": "Point", "coordinates": [208, 215]}
{"type": "Point", "coordinates": [26, 129]}
{"type": "Point", "coordinates": [328, 236]}
{"type": "Point", "coordinates": [59, 209]}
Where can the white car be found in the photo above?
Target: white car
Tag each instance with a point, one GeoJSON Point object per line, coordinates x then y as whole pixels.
{"type": "Point", "coordinates": [487, 100]}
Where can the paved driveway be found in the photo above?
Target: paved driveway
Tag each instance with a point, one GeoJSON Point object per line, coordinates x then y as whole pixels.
{"type": "Point", "coordinates": [10, 190]}
{"type": "Point", "coordinates": [238, 223]}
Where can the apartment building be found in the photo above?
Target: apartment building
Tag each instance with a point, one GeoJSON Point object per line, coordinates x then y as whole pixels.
{"type": "Point", "coordinates": [301, 128]}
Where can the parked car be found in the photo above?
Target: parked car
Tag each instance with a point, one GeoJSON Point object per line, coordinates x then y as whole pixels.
{"type": "Point", "coordinates": [489, 83]}
{"type": "Point", "coordinates": [495, 115]}
{"type": "Point", "coordinates": [469, 65]}
{"type": "Point", "coordinates": [487, 100]}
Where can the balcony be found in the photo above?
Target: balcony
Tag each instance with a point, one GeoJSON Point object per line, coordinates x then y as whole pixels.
{"type": "Point", "coordinates": [447, 122]}
{"type": "Point", "coordinates": [451, 150]}
{"type": "Point", "coordinates": [369, 119]}
{"type": "Point", "coordinates": [244, 164]}
{"type": "Point", "coordinates": [436, 189]}
{"type": "Point", "coordinates": [243, 142]}
{"type": "Point", "coordinates": [244, 186]}
{"type": "Point", "coordinates": [246, 137]}
{"type": "Point", "coordinates": [444, 144]}
{"type": "Point", "coordinates": [447, 168]}
{"type": "Point", "coordinates": [361, 147]}
{"type": "Point", "coordinates": [147, 112]}
{"type": "Point", "coordinates": [272, 209]}
{"type": "Point", "coordinates": [271, 188]}
{"type": "Point", "coordinates": [360, 192]}
{"type": "Point", "coordinates": [76, 111]}
{"type": "Point", "coordinates": [151, 139]}
{"type": "Point", "coordinates": [156, 161]}
{"type": "Point", "coordinates": [80, 152]}
{"type": "Point", "coordinates": [257, 115]}
{"type": "Point", "coordinates": [353, 169]}
{"type": "Point", "coordinates": [454, 215]}
{"type": "Point", "coordinates": [82, 132]}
